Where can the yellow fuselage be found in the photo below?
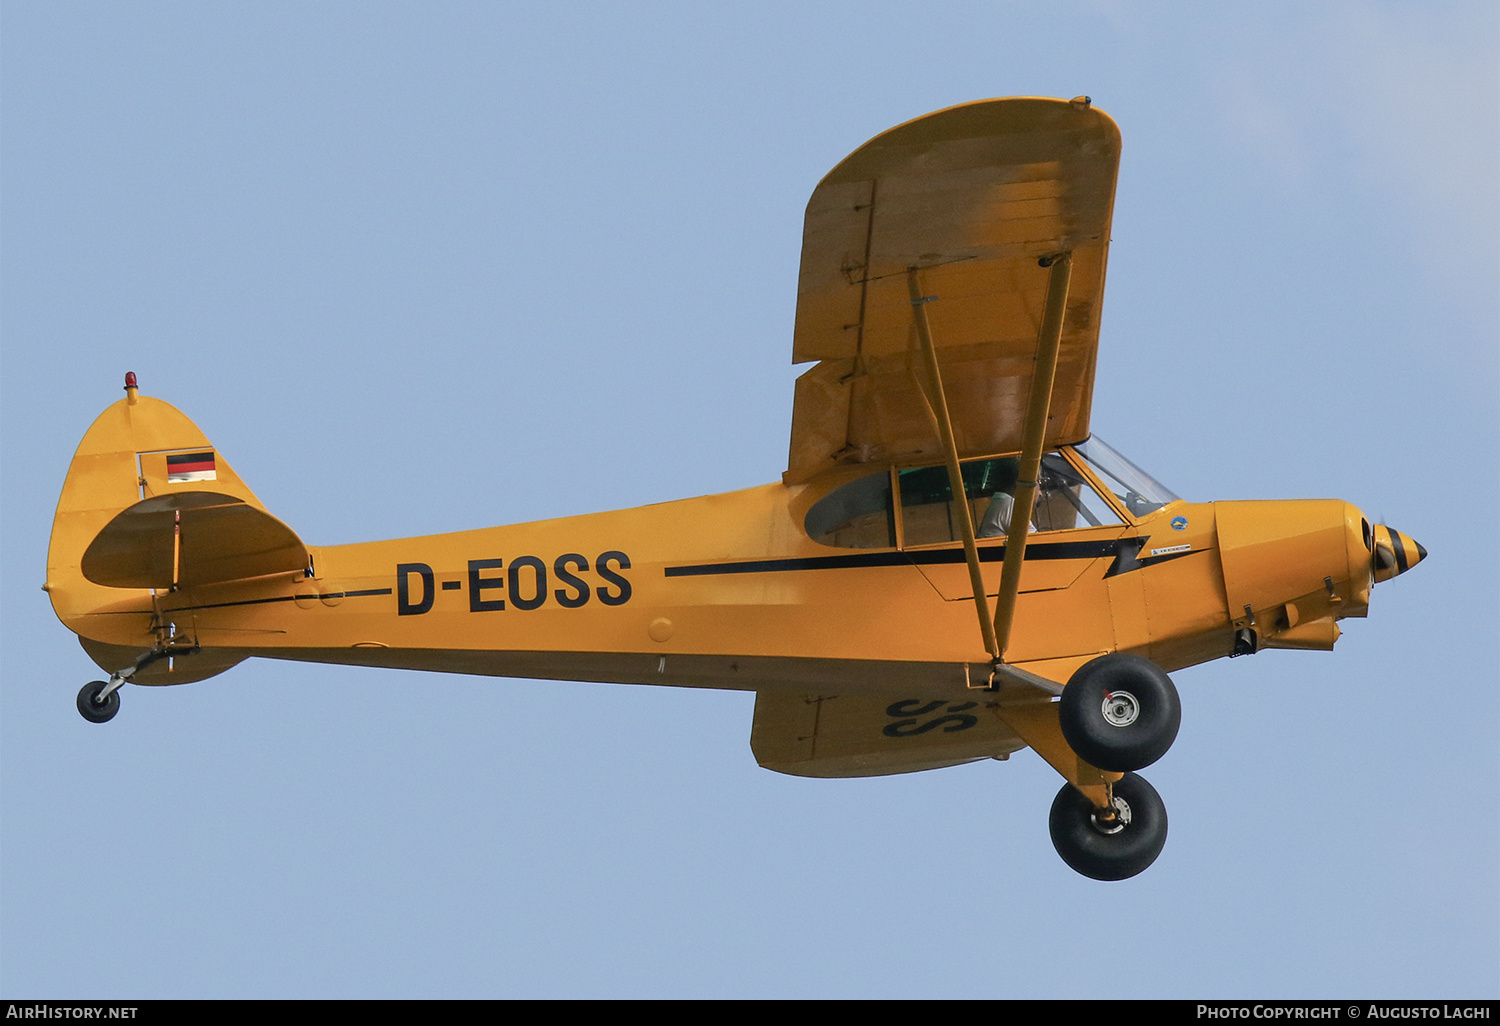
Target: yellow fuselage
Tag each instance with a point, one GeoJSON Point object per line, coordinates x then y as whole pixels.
{"type": "Point", "coordinates": [728, 591]}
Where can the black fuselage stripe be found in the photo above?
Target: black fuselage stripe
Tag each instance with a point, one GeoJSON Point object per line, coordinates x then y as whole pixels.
{"type": "Point", "coordinates": [282, 598]}
{"type": "Point", "coordinates": [922, 557]}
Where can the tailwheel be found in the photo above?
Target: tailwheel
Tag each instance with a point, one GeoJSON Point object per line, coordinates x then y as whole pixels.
{"type": "Point", "coordinates": [1120, 712]}
{"type": "Point", "coordinates": [98, 702]}
{"type": "Point", "coordinates": [1105, 846]}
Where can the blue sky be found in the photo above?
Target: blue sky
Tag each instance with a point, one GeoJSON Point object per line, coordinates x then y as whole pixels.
{"type": "Point", "coordinates": [343, 236]}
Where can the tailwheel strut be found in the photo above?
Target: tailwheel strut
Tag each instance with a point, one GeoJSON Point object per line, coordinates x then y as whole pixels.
{"type": "Point", "coordinates": [99, 700]}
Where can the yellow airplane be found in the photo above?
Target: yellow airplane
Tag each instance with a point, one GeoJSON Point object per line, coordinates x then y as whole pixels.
{"type": "Point", "coordinates": [949, 297]}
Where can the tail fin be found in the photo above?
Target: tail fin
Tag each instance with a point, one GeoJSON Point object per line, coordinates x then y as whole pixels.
{"type": "Point", "coordinates": [149, 507]}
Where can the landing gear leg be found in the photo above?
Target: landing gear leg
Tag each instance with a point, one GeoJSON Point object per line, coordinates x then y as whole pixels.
{"type": "Point", "coordinates": [1113, 844]}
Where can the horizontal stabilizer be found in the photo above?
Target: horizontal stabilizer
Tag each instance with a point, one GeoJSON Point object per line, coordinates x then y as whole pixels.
{"type": "Point", "coordinates": [189, 538]}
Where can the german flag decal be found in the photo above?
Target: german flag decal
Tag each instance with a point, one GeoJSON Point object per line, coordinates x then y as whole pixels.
{"type": "Point", "coordinates": [190, 466]}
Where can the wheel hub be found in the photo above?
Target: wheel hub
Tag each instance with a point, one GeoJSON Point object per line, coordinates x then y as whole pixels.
{"type": "Point", "coordinates": [1120, 821]}
{"type": "Point", "coordinates": [1120, 708]}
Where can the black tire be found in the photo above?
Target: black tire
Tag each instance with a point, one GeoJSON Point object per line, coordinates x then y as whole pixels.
{"type": "Point", "coordinates": [1110, 851]}
{"type": "Point", "coordinates": [93, 710]}
{"type": "Point", "coordinates": [1120, 712]}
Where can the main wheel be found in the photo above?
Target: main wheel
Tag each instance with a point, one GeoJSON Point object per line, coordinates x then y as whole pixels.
{"type": "Point", "coordinates": [1120, 712]}
{"type": "Point", "coordinates": [1116, 850]}
{"type": "Point", "coordinates": [94, 710]}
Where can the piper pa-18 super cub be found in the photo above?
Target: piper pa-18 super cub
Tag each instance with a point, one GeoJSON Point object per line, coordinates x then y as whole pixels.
{"type": "Point", "coordinates": [951, 568]}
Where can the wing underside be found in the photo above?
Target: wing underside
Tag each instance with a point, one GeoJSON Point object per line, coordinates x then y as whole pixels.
{"type": "Point", "coordinates": [976, 199]}
{"type": "Point", "coordinates": [822, 735]}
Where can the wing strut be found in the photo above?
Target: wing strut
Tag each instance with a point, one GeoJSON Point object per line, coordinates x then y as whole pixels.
{"type": "Point", "coordinates": [1033, 438]}
{"type": "Point", "coordinates": [996, 633]}
{"type": "Point", "coordinates": [950, 453]}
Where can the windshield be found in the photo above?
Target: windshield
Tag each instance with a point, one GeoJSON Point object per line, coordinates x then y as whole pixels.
{"type": "Point", "coordinates": [1139, 491]}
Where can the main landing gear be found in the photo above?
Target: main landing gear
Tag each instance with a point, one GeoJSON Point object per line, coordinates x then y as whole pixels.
{"type": "Point", "coordinates": [1109, 845]}
{"type": "Point", "coordinates": [1118, 713]}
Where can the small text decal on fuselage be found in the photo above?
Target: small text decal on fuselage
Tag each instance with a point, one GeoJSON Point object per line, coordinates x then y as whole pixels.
{"type": "Point", "coordinates": [524, 584]}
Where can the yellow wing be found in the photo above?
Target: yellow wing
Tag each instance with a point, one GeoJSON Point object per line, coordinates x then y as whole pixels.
{"type": "Point", "coordinates": [973, 197]}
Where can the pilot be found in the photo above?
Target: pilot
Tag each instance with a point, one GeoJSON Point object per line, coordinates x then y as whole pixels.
{"type": "Point", "coordinates": [999, 478]}
{"type": "Point", "coordinates": [996, 522]}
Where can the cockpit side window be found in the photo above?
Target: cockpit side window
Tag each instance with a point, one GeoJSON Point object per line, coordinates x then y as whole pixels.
{"type": "Point", "coordinates": [928, 514]}
{"type": "Point", "coordinates": [860, 514]}
{"type": "Point", "coordinates": [1064, 500]}
{"type": "Point", "coordinates": [857, 515]}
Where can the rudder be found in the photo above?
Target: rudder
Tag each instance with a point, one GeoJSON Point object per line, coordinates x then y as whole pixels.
{"type": "Point", "coordinates": [150, 506]}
